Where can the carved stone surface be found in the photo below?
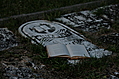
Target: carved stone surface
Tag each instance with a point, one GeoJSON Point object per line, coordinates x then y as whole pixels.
{"type": "Point", "coordinates": [85, 21]}
{"type": "Point", "coordinates": [7, 39]}
{"type": "Point", "coordinates": [47, 33]}
{"type": "Point", "coordinates": [92, 21]}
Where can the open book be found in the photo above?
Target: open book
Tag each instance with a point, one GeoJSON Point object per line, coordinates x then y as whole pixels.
{"type": "Point", "coordinates": [70, 51]}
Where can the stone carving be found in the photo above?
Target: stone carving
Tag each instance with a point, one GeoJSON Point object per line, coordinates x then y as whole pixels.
{"type": "Point", "coordinates": [85, 21]}
{"type": "Point", "coordinates": [92, 21]}
{"type": "Point", "coordinates": [47, 33]}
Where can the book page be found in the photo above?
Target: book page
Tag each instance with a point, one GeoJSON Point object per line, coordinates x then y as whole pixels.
{"type": "Point", "coordinates": [77, 50]}
{"type": "Point", "coordinates": [57, 50]}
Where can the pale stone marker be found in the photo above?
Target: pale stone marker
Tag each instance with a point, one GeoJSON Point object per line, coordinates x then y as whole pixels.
{"type": "Point", "coordinates": [48, 33]}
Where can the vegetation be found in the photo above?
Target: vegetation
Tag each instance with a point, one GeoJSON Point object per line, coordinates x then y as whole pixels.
{"type": "Point", "coordinates": [16, 7]}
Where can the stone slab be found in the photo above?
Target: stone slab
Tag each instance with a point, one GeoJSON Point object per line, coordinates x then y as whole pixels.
{"type": "Point", "coordinates": [47, 33]}
{"type": "Point", "coordinates": [92, 21]}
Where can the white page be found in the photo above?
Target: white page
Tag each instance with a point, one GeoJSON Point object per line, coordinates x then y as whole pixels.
{"type": "Point", "coordinates": [77, 50]}
{"type": "Point", "coordinates": [56, 50]}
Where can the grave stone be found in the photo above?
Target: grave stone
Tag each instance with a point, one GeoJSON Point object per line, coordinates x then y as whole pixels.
{"type": "Point", "coordinates": [48, 33]}
{"type": "Point", "coordinates": [92, 21]}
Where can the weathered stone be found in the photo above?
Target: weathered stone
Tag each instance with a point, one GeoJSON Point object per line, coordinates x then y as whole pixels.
{"type": "Point", "coordinates": [20, 71]}
{"type": "Point", "coordinates": [61, 35]}
{"type": "Point", "coordinates": [92, 21]}
{"type": "Point", "coordinates": [13, 78]}
{"type": "Point", "coordinates": [7, 39]}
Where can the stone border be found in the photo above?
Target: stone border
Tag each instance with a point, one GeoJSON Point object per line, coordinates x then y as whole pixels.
{"type": "Point", "coordinates": [40, 15]}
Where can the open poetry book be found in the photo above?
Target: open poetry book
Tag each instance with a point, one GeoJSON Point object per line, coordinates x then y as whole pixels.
{"type": "Point", "coordinates": [71, 51]}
